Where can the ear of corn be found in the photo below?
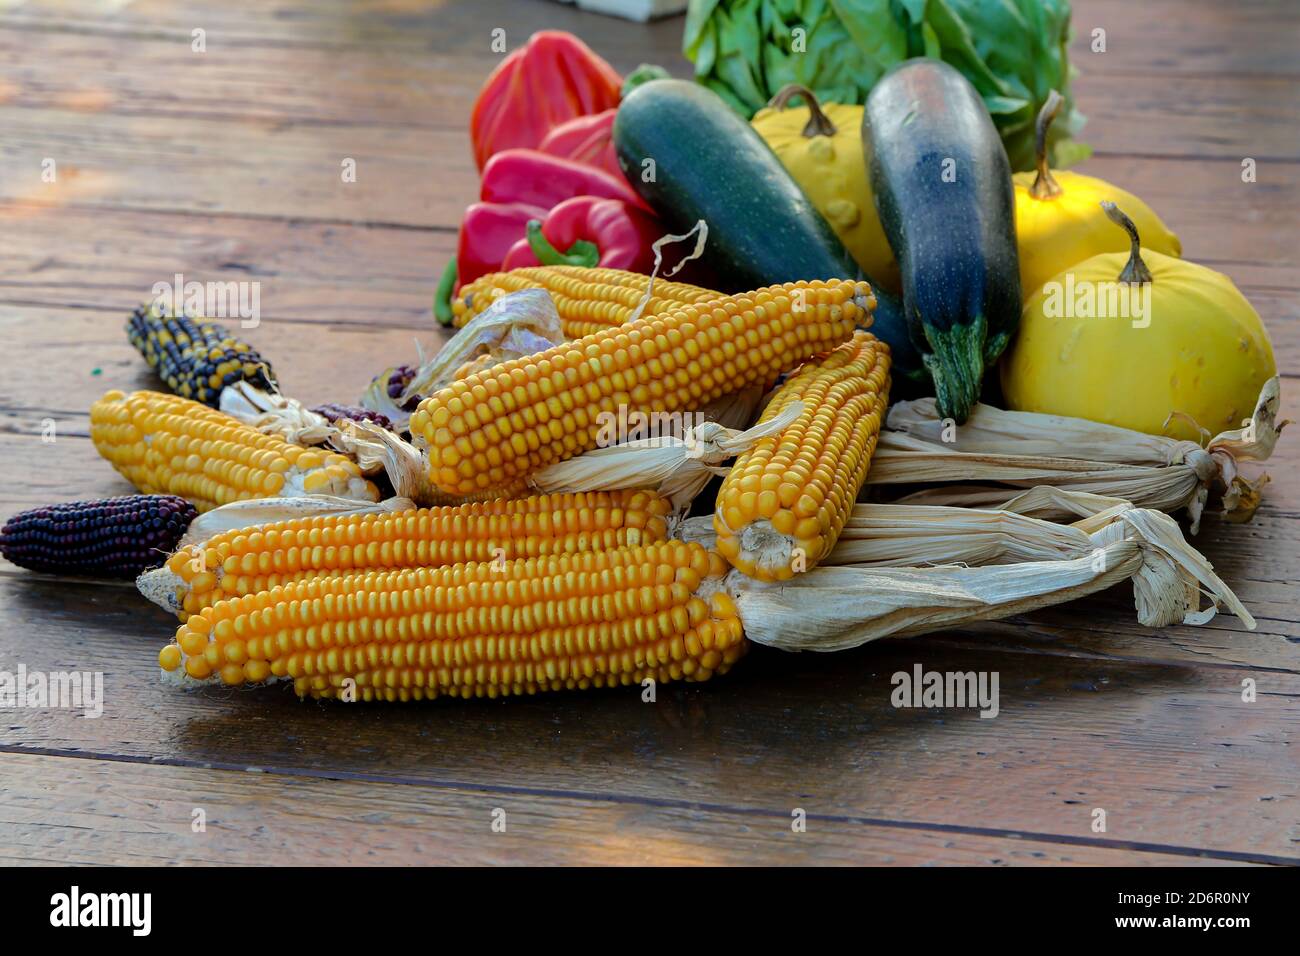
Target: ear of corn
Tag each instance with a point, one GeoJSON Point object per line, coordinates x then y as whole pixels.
{"type": "Point", "coordinates": [114, 537]}
{"type": "Point", "coordinates": [587, 300]}
{"type": "Point", "coordinates": [246, 561]}
{"type": "Point", "coordinates": [165, 444]}
{"type": "Point", "coordinates": [500, 424]}
{"type": "Point", "coordinates": [196, 359]}
{"type": "Point", "coordinates": [594, 619]}
{"type": "Point", "coordinates": [783, 504]}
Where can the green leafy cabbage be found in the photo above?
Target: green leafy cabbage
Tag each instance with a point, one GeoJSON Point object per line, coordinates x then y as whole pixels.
{"type": "Point", "coordinates": [1012, 51]}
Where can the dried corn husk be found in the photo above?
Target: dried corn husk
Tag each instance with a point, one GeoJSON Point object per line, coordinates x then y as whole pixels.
{"type": "Point", "coordinates": [836, 608]}
{"type": "Point", "coordinates": [515, 325]}
{"type": "Point", "coordinates": [701, 233]}
{"type": "Point", "coordinates": [677, 466]}
{"type": "Point", "coordinates": [275, 414]}
{"type": "Point", "coordinates": [894, 535]}
{"type": "Point", "coordinates": [1010, 450]}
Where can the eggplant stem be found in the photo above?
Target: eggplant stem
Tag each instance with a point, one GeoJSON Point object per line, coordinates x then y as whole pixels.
{"type": "Point", "coordinates": [956, 366]}
{"type": "Point", "coordinates": [1045, 185]}
{"type": "Point", "coordinates": [819, 124]}
{"type": "Point", "coordinates": [1135, 270]}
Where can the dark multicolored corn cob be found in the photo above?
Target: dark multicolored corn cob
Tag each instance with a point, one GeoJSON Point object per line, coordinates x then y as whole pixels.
{"type": "Point", "coordinates": [114, 537]}
{"type": "Point", "coordinates": [333, 412]}
{"type": "Point", "coordinates": [196, 359]}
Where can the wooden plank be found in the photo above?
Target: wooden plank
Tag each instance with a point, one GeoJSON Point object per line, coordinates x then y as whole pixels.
{"type": "Point", "coordinates": [242, 81]}
{"type": "Point", "coordinates": [83, 812]}
{"type": "Point", "coordinates": [1203, 37]}
{"type": "Point", "coordinates": [396, 27]}
{"type": "Point", "coordinates": [1170, 752]}
{"type": "Point", "coordinates": [257, 168]}
{"type": "Point", "coordinates": [107, 262]}
{"type": "Point", "coordinates": [1254, 116]}
{"type": "Point", "coordinates": [1209, 119]}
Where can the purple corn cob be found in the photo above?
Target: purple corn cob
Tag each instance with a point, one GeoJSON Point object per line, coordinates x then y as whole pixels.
{"type": "Point", "coordinates": [113, 537]}
{"type": "Point", "coordinates": [397, 382]}
{"type": "Point", "coordinates": [333, 412]}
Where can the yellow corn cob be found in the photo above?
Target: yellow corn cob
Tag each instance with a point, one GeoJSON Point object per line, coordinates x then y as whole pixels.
{"type": "Point", "coordinates": [165, 444]}
{"type": "Point", "coordinates": [587, 300]}
{"type": "Point", "coordinates": [505, 422]}
{"type": "Point", "coordinates": [593, 619]}
{"type": "Point", "coordinates": [783, 504]}
{"type": "Point", "coordinates": [246, 561]}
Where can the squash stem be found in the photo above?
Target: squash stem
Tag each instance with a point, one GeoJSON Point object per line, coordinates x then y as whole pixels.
{"type": "Point", "coordinates": [1045, 185]}
{"type": "Point", "coordinates": [1135, 270]}
{"type": "Point", "coordinates": [819, 124]}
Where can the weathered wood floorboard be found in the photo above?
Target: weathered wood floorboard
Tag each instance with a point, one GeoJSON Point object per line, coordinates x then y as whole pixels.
{"type": "Point", "coordinates": [98, 811]}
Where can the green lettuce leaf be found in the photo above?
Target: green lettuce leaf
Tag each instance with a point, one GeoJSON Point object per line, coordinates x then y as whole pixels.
{"type": "Point", "coordinates": [1012, 51]}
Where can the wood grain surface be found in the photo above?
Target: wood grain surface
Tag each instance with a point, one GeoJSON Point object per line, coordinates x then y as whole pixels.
{"type": "Point", "coordinates": [229, 169]}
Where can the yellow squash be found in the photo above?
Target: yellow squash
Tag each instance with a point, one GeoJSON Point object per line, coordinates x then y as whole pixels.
{"type": "Point", "coordinates": [820, 145]}
{"type": "Point", "coordinates": [1059, 221]}
{"type": "Point", "coordinates": [1145, 341]}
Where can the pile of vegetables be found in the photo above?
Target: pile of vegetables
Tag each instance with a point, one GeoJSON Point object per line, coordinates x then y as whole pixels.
{"type": "Point", "coordinates": [888, 227]}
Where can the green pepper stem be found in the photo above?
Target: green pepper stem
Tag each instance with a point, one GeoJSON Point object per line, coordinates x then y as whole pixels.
{"type": "Point", "coordinates": [1135, 270]}
{"type": "Point", "coordinates": [819, 124]}
{"type": "Point", "coordinates": [581, 253]}
{"type": "Point", "coordinates": [442, 310]}
{"type": "Point", "coordinates": [1045, 186]}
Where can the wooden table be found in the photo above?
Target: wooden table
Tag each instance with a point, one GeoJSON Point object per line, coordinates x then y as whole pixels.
{"type": "Point", "coordinates": [226, 165]}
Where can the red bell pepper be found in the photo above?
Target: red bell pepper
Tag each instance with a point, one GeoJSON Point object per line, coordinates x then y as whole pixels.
{"type": "Point", "coordinates": [592, 232]}
{"type": "Point", "coordinates": [586, 139]}
{"type": "Point", "coordinates": [540, 179]}
{"type": "Point", "coordinates": [487, 232]}
{"type": "Point", "coordinates": [551, 78]}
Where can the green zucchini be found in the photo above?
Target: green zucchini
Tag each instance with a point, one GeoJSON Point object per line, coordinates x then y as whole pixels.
{"type": "Point", "coordinates": [708, 163]}
{"type": "Point", "coordinates": [942, 187]}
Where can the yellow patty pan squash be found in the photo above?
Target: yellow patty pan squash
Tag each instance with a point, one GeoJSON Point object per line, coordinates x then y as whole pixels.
{"type": "Point", "coordinates": [1133, 340]}
{"type": "Point", "coordinates": [820, 145]}
{"type": "Point", "coordinates": [1059, 220]}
